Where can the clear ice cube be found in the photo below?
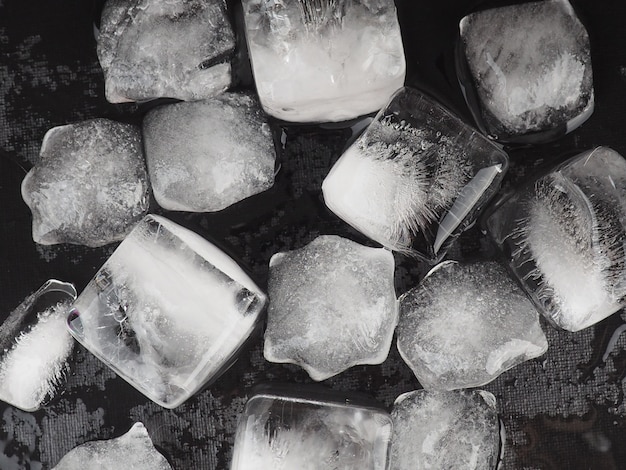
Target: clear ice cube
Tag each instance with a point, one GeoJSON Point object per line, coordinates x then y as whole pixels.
{"type": "Point", "coordinates": [131, 450]}
{"type": "Point", "coordinates": [445, 430]}
{"type": "Point", "coordinates": [416, 178]}
{"type": "Point", "coordinates": [563, 235]}
{"type": "Point", "coordinates": [526, 70]}
{"type": "Point", "coordinates": [332, 306]}
{"type": "Point", "coordinates": [283, 432]}
{"type": "Point", "coordinates": [168, 311]}
{"type": "Point", "coordinates": [324, 60]}
{"type": "Point", "coordinates": [90, 185]}
{"type": "Point", "coordinates": [197, 158]}
{"type": "Point", "coordinates": [35, 347]}
{"type": "Point", "coordinates": [465, 324]}
{"type": "Point", "coordinates": [159, 48]}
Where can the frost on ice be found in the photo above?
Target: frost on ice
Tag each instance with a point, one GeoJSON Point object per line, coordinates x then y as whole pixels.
{"type": "Point", "coordinates": [332, 306]}
{"type": "Point", "coordinates": [161, 48]}
{"type": "Point", "coordinates": [168, 311]}
{"type": "Point", "coordinates": [206, 155]}
{"type": "Point", "coordinates": [286, 433]}
{"type": "Point", "coordinates": [527, 67]}
{"type": "Point", "coordinates": [133, 450]}
{"type": "Point", "coordinates": [35, 346]}
{"type": "Point", "coordinates": [445, 430]}
{"type": "Point", "coordinates": [416, 178]}
{"type": "Point", "coordinates": [324, 60]}
{"type": "Point", "coordinates": [90, 185]}
{"type": "Point", "coordinates": [465, 324]}
{"type": "Point", "coordinates": [565, 237]}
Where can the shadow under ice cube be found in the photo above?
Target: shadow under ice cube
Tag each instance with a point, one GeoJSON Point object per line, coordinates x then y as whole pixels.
{"type": "Point", "coordinates": [168, 311]}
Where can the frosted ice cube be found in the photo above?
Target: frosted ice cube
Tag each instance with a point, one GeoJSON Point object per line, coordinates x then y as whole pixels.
{"type": "Point", "coordinates": [282, 432]}
{"type": "Point", "coordinates": [564, 236]}
{"type": "Point", "coordinates": [160, 48]}
{"type": "Point", "coordinates": [445, 430]}
{"type": "Point", "coordinates": [332, 306]}
{"type": "Point", "coordinates": [416, 178]}
{"type": "Point", "coordinates": [465, 324]}
{"type": "Point", "coordinates": [90, 185]}
{"type": "Point", "coordinates": [526, 70]}
{"type": "Point", "coordinates": [324, 60]}
{"type": "Point", "coordinates": [131, 450]}
{"type": "Point", "coordinates": [35, 346]}
{"type": "Point", "coordinates": [197, 158]}
{"type": "Point", "coordinates": [168, 311]}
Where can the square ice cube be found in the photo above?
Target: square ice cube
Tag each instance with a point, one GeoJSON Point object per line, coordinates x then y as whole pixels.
{"type": "Point", "coordinates": [310, 431]}
{"type": "Point", "coordinates": [526, 70]}
{"type": "Point", "coordinates": [416, 178]}
{"type": "Point", "coordinates": [324, 60]}
{"type": "Point", "coordinates": [168, 311]}
{"type": "Point", "coordinates": [563, 236]}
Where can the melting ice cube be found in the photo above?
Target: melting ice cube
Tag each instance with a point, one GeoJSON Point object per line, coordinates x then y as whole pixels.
{"type": "Point", "coordinates": [526, 70]}
{"type": "Point", "coordinates": [90, 185]}
{"type": "Point", "coordinates": [564, 233]}
{"type": "Point", "coordinates": [324, 60]}
{"type": "Point", "coordinates": [332, 306]}
{"type": "Point", "coordinates": [131, 450]}
{"type": "Point", "coordinates": [282, 432]}
{"type": "Point", "coordinates": [35, 346]}
{"type": "Point", "coordinates": [445, 430]}
{"type": "Point", "coordinates": [168, 311]}
{"type": "Point", "coordinates": [159, 48]}
{"type": "Point", "coordinates": [465, 324]}
{"type": "Point", "coordinates": [416, 178]}
{"type": "Point", "coordinates": [197, 158]}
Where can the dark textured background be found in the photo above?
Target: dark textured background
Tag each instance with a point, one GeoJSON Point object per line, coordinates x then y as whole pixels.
{"type": "Point", "coordinates": [564, 410]}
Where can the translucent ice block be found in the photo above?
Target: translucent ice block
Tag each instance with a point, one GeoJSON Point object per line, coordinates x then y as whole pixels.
{"type": "Point", "coordinates": [332, 306]}
{"type": "Point", "coordinates": [416, 178]}
{"type": "Point", "coordinates": [168, 311]}
{"type": "Point", "coordinates": [35, 347]}
{"type": "Point", "coordinates": [465, 324]}
{"type": "Point", "coordinates": [526, 70]}
{"type": "Point", "coordinates": [324, 60]}
{"type": "Point", "coordinates": [206, 155]}
{"type": "Point", "coordinates": [278, 431]}
{"type": "Point", "coordinates": [564, 236]}
{"type": "Point", "coordinates": [162, 48]}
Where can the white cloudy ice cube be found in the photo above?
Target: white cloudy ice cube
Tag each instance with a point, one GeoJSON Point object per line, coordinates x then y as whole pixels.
{"type": "Point", "coordinates": [133, 450]}
{"type": "Point", "coordinates": [162, 48]}
{"type": "Point", "coordinates": [324, 60]}
{"type": "Point", "coordinates": [465, 324]}
{"type": "Point", "coordinates": [527, 70]}
{"type": "Point", "coordinates": [204, 156]}
{"type": "Point", "coordinates": [445, 430]}
{"type": "Point", "coordinates": [332, 306]}
{"type": "Point", "coordinates": [90, 185]}
{"type": "Point", "coordinates": [168, 311]}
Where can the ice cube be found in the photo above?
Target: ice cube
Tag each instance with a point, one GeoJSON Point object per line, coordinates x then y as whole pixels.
{"type": "Point", "coordinates": [416, 178]}
{"type": "Point", "coordinates": [563, 235]}
{"type": "Point", "coordinates": [283, 432]}
{"type": "Point", "coordinates": [445, 430]}
{"type": "Point", "coordinates": [35, 346]}
{"type": "Point", "coordinates": [324, 60]}
{"type": "Point", "coordinates": [332, 306]}
{"type": "Point", "coordinates": [90, 185]}
{"type": "Point", "coordinates": [526, 70]}
{"type": "Point", "coordinates": [465, 324]}
{"type": "Point", "coordinates": [131, 450]}
{"type": "Point", "coordinates": [197, 158]}
{"type": "Point", "coordinates": [160, 48]}
{"type": "Point", "coordinates": [168, 311]}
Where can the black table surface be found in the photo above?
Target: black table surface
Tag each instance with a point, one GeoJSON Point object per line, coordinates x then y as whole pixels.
{"type": "Point", "coordinates": [562, 410]}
